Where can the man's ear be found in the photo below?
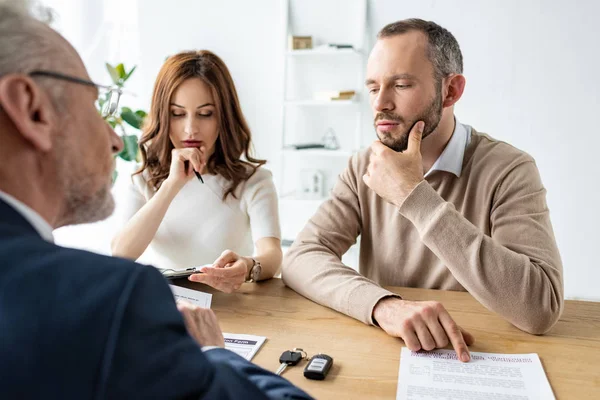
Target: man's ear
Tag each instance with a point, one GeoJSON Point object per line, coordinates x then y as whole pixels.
{"type": "Point", "coordinates": [29, 108]}
{"type": "Point", "coordinates": [454, 88]}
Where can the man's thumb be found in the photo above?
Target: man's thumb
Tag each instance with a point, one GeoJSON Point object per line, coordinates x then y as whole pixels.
{"type": "Point", "coordinates": [416, 134]}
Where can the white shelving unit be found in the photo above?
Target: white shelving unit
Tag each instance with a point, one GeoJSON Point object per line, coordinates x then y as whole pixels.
{"type": "Point", "coordinates": [328, 60]}
{"type": "Point", "coordinates": [306, 120]}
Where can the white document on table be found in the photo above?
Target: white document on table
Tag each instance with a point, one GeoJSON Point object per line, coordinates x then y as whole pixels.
{"type": "Point", "coordinates": [440, 375]}
{"type": "Point", "coordinates": [193, 296]}
{"type": "Point", "coordinates": [243, 345]}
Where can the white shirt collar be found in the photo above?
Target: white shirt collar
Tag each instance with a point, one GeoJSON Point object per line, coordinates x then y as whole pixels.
{"type": "Point", "coordinates": [451, 159]}
{"type": "Point", "coordinates": [35, 219]}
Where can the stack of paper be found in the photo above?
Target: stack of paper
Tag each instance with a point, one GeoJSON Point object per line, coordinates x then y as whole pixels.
{"type": "Point", "coordinates": [244, 345]}
{"type": "Point", "coordinates": [193, 296]}
{"type": "Point", "coordinates": [440, 375]}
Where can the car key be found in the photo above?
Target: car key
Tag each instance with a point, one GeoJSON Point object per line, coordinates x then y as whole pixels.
{"type": "Point", "coordinates": [289, 357]}
{"type": "Point", "coordinates": [318, 367]}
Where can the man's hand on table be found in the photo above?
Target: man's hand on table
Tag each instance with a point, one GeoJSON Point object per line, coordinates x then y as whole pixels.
{"type": "Point", "coordinates": [201, 324]}
{"type": "Point", "coordinates": [422, 325]}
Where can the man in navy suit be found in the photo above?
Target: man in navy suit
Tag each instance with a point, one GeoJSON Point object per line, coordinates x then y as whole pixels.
{"type": "Point", "coordinates": [78, 325]}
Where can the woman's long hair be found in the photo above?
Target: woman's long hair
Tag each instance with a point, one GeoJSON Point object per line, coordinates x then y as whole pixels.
{"type": "Point", "coordinates": [234, 138]}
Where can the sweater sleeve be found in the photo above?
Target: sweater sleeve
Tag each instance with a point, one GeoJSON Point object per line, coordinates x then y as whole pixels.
{"type": "Point", "coordinates": [313, 266]}
{"type": "Point", "coordinates": [517, 272]}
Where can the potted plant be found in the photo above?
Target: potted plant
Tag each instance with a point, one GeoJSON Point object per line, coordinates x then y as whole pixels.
{"type": "Point", "coordinates": [125, 118]}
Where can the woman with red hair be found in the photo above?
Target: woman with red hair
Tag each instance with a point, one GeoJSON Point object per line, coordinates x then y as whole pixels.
{"type": "Point", "coordinates": [199, 196]}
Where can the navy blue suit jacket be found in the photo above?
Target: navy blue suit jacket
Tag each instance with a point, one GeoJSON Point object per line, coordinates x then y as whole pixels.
{"type": "Point", "coordinates": [78, 325]}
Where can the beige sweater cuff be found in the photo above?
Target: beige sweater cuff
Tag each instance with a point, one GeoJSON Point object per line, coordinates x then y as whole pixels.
{"type": "Point", "coordinates": [363, 299]}
{"type": "Point", "coordinates": [422, 205]}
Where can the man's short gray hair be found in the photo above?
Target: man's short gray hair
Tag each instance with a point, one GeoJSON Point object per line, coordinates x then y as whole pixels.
{"type": "Point", "coordinates": [444, 51]}
{"type": "Point", "coordinates": [25, 44]}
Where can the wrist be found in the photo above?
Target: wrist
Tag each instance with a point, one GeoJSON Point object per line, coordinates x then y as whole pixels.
{"type": "Point", "coordinates": [407, 191]}
{"type": "Point", "coordinates": [171, 187]}
{"type": "Point", "coordinates": [254, 270]}
{"type": "Point", "coordinates": [208, 348]}
{"type": "Point", "coordinates": [382, 310]}
{"type": "Point", "coordinates": [249, 261]}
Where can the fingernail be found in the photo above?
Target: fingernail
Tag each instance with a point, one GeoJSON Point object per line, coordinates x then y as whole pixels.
{"type": "Point", "coordinates": [420, 126]}
{"type": "Point", "coordinates": [465, 357]}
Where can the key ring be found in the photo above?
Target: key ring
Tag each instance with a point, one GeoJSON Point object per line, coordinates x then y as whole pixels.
{"type": "Point", "coordinates": [301, 351]}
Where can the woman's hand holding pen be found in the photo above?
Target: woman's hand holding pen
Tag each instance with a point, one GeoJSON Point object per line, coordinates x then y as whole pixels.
{"type": "Point", "coordinates": [184, 163]}
{"type": "Point", "coordinates": [227, 273]}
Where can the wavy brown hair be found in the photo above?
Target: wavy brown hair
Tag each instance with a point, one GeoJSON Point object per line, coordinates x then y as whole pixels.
{"type": "Point", "coordinates": [234, 137]}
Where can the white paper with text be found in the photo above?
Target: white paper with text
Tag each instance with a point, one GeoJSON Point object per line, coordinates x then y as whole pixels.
{"type": "Point", "coordinates": [440, 375]}
{"type": "Point", "coordinates": [244, 345]}
{"type": "Point", "coordinates": [193, 296]}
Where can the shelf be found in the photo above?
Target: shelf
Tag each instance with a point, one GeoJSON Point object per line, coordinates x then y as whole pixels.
{"type": "Point", "coordinates": [321, 103]}
{"type": "Point", "coordinates": [323, 52]}
{"type": "Point", "coordinates": [319, 152]}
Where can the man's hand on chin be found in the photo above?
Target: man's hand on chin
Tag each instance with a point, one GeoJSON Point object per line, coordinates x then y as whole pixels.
{"type": "Point", "coordinates": [393, 175]}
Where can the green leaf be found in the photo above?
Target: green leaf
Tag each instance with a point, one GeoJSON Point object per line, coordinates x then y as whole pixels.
{"type": "Point", "coordinates": [112, 71]}
{"type": "Point", "coordinates": [112, 122]}
{"type": "Point", "coordinates": [131, 118]}
{"type": "Point", "coordinates": [141, 113]}
{"type": "Point", "coordinates": [129, 74]}
{"type": "Point", "coordinates": [121, 70]}
{"type": "Point", "coordinates": [130, 148]}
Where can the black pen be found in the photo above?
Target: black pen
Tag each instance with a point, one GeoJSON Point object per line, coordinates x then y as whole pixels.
{"type": "Point", "coordinates": [199, 176]}
{"type": "Point", "coordinates": [187, 164]}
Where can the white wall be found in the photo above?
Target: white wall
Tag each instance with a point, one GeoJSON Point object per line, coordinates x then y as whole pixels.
{"type": "Point", "coordinates": [531, 69]}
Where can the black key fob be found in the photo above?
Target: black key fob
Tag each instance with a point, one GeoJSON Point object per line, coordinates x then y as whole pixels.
{"type": "Point", "coordinates": [318, 367]}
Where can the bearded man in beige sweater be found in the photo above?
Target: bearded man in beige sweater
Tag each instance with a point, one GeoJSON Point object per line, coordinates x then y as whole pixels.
{"type": "Point", "coordinates": [437, 205]}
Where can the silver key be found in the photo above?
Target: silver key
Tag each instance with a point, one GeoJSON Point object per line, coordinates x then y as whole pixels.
{"type": "Point", "coordinates": [281, 368]}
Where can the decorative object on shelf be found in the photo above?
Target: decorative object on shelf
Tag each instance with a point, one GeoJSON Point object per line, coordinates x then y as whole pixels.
{"type": "Point", "coordinates": [306, 146]}
{"type": "Point", "coordinates": [312, 184]}
{"type": "Point", "coordinates": [125, 118]}
{"type": "Point", "coordinates": [330, 140]}
{"type": "Point", "coordinates": [333, 95]}
{"type": "Point", "coordinates": [341, 46]}
{"type": "Point", "coordinates": [300, 42]}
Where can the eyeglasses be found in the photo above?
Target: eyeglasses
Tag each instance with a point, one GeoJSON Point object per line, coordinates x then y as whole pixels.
{"type": "Point", "coordinates": [109, 102]}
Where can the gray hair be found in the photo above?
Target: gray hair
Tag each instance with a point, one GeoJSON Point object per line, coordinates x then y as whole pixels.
{"type": "Point", "coordinates": [443, 52]}
{"type": "Point", "coordinates": [27, 43]}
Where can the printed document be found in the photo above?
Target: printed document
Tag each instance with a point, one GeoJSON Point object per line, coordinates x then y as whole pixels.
{"type": "Point", "coordinates": [193, 296]}
{"type": "Point", "coordinates": [244, 345]}
{"type": "Point", "coordinates": [441, 375]}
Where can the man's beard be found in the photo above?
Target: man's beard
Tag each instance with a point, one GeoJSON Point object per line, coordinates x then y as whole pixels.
{"type": "Point", "coordinates": [83, 202]}
{"type": "Point", "coordinates": [431, 116]}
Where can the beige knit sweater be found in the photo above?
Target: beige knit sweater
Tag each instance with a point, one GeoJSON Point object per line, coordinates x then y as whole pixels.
{"type": "Point", "coordinates": [487, 232]}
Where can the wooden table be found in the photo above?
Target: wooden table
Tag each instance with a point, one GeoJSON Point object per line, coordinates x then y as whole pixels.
{"type": "Point", "coordinates": [366, 359]}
